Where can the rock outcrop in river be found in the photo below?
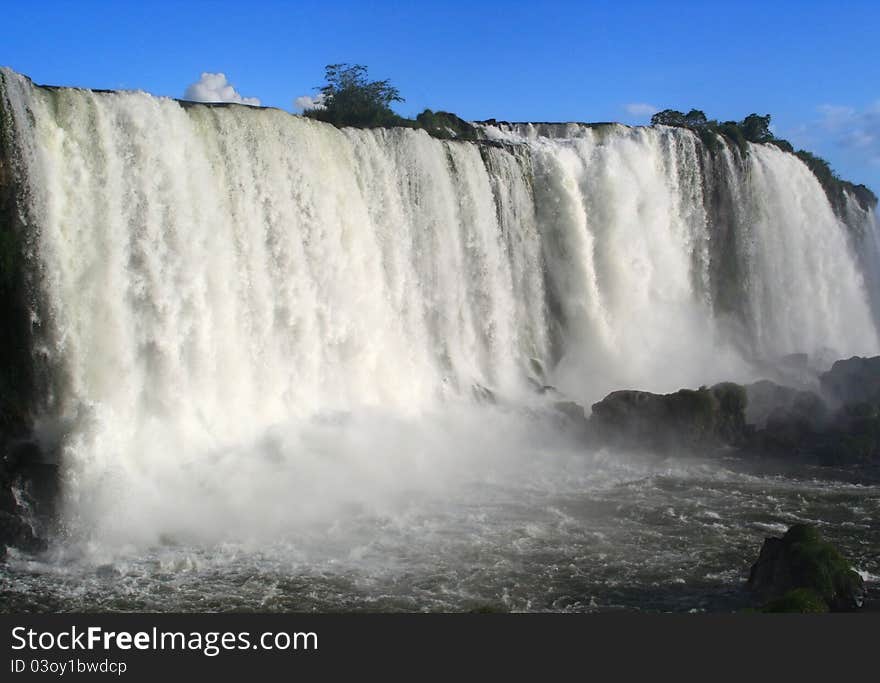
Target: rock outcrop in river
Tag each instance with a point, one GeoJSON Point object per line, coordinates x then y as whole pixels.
{"type": "Point", "coordinates": [802, 572]}
{"type": "Point", "coordinates": [838, 427]}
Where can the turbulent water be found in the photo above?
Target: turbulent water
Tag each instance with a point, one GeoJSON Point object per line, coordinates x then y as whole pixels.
{"type": "Point", "coordinates": [294, 366]}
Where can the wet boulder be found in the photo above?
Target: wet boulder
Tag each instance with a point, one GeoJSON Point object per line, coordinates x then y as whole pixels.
{"type": "Point", "coordinates": [852, 437]}
{"type": "Point", "coordinates": [685, 420]}
{"type": "Point", "coordinates": [768, 399]}
{"type": "Point", "coordinates": [16, 532]}
{"type": "Point", "coordinates": [790, 432]}
{"type": "Point", "coordinates": [803, 572]}
{"type": "Point", "coordinates": [792, 423]}
{"type": "Point", "coordinates": [854, 380]}
{"type": "Point", "coordinates": [28, 490]}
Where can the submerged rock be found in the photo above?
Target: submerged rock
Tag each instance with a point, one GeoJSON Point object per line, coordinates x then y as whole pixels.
{"type": "Point", "coordinates": [802, 572]}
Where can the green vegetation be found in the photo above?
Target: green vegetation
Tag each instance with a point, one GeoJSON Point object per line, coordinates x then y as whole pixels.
{"type": "Point", "coordinates": [349, 98]}
{"type": "Point", "coordinates": [799, 600]}
{"type": "Point", "coordinates": [755, 128]}
{"type": "Point", "coordinates": [817, 564]}
{"type": "Point", "coordinates": [802, 572]}
{"type": "Point", "coordinates": [694, 409]}
{"type": "Point", "coordinates": [442, 124]}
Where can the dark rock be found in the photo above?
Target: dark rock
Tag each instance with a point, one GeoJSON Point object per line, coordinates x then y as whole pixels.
{"type": "Point", "coordinates": [802, 560]}
{"type": "Point", "coordinates": [483, 394]}
{"type": "Point", "coordinates": [730, 420]}
{"type": "Point", "coordinates": [786, 432]}
{"type": "Point", "coordinates": [21, 379]}
{"type": "Point", "coordinates": [856, 380]}
{"type": "Point", "coordinates": [15, 531]}
{"type": "Point", "coordinates": [537, 368]}
{"type": "Point", "coordinates": [793, 423]}
{"type": "Point", "coordinates": [794, 430]}
{"type": "Point", "coordinates": [766, 398]}
{"type": "Point", "coordinates": [28, 489]}
{"type": "Point", "coordinates": [765, 419]}
{"type": "Point", "coordinates": [573, 411]}
{"type": "Point", "coordinates": [686, 419]}
{"type": "Point", "coordinates": [852, 438]}
{"type": "Point", "coordinates": [446, 125]}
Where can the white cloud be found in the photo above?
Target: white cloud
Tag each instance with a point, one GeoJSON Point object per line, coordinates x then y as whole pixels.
{"type": "Point", "coordinates": [215, 88]}
{"type": "Point", "coordinates": [641, 109]}
{"type": "Point", "coordinates": [835, 115]}
{"type": "Point", "coordinates": [308, 102]}
{"type": "Point", "coordinates": [854, 129]}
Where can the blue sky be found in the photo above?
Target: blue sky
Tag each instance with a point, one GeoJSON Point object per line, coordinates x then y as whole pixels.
{"type": "Point", "coordinates": [812, 65]}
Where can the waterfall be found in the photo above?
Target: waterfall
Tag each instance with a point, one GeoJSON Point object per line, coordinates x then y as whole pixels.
{"type": "Point", "coordinates": [209, 272]}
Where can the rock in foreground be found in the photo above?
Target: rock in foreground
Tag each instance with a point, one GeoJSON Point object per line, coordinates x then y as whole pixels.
{"type": "Point", "coordinates": [801, 572]}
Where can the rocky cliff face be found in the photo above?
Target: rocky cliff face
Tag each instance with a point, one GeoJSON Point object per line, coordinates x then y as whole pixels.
{"type": "Point", "coordinates": [27, 478]}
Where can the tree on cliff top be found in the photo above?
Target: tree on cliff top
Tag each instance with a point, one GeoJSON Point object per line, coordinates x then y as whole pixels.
{"type": "Point", "coordinates": [757, 128]}
{"type": "Point", "coordinates": [349, 98]}
{"type": "Point", "coordinates": [670, 117]}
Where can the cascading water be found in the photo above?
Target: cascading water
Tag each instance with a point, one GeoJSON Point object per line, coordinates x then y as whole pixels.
{"type": "Point", "coordinates": [866, 242]}
{"type": "Point", "coordinates": [256, 319]}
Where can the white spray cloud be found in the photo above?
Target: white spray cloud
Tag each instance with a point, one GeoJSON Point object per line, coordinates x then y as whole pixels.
{"type": "Point", "coordinates": [304, 102]}
{"type": "Point", "coordinates": [213, 87]}
{"type": "Point", "coordinates": [641, 109]}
